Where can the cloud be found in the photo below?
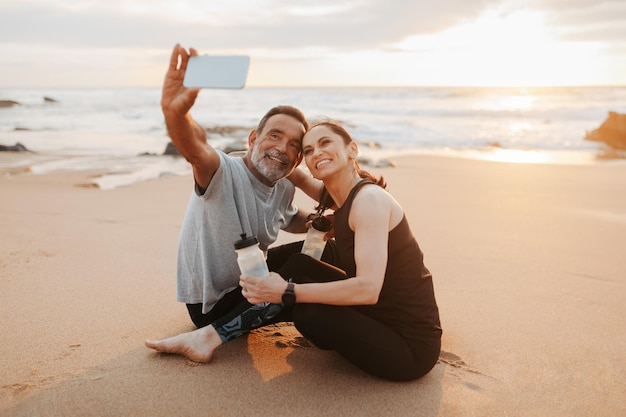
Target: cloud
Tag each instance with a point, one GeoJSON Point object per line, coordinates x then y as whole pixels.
{"type": "Point", "coordinates": [265, 24]}
{"type": "Point", "coordinates": [585, 21]}
{"type": "Point", "coordinates": [96, 26]}
{"type": "Point", "coordinates": [127, 42]}
{"type": "Point", "coordinates": [364, 24]}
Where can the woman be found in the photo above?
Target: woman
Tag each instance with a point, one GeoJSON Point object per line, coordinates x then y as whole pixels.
{"type": "Point", "coordinates": [382, 315]}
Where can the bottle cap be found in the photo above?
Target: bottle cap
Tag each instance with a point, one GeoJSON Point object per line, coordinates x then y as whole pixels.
{"type": "Point", "coordinates": [246, 241]}
{"type": "Point", "coordinates": [321, 223]}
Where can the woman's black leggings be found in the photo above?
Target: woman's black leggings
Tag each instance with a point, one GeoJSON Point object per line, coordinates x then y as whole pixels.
{"type": "Point", "coordinates": [364, 341]}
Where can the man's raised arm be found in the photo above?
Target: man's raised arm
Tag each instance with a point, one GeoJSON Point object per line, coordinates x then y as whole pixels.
{"type": "Point", "coordinates": [188, 137]}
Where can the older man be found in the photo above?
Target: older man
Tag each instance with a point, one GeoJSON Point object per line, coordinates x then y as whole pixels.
{"type": "Point", "coordinates": [232, 195]}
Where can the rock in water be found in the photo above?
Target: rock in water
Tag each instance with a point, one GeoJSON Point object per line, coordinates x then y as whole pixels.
{"type": "Point", "coordinates": [612, 131]}
{"type": "Point", "coordinates": [170, 149]}
{"type": "Point", "coordinates": [18, 147]}
{"type": "Point", "coordinates": [8, 103]}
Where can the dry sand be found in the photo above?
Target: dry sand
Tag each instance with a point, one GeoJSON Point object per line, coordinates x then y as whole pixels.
{"type": "Point", "coordinates": [529, 270]}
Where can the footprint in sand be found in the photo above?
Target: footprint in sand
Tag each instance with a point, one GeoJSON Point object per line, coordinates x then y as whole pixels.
{"type": "Point", "coordinates": [455, 361]}
{"type": "Point", "coordinates": [69, 351]}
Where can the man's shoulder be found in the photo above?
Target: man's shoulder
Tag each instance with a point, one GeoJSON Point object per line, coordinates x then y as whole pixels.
{"type": "Point", "coordinates": [234, 164]}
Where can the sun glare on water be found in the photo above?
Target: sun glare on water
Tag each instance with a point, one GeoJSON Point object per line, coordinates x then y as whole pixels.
{"type": "Point", "coordinates": [517, 156]}
{"type": "Point", "coordinates": [513, 102]}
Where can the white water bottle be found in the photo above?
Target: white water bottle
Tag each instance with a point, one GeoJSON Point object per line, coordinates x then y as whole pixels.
{"type": "Point", "coordinates": [250, 257]}
{"type": "Point", "coordinates": [314, 242]}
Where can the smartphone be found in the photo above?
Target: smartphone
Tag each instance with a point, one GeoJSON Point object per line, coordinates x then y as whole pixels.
{"type": "Point", "coordinates": [217, 71]}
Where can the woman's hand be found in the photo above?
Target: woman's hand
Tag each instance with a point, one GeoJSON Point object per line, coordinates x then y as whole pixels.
{"type": "Point", "coordinates": [258, 290]}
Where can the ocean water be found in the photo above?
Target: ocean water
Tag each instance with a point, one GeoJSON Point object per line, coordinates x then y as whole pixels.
{"type": "Point", "coordinates": [121, 132]}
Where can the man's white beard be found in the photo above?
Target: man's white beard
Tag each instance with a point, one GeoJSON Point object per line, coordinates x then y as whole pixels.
{"type": "Point", "coordinates": [268, 169]}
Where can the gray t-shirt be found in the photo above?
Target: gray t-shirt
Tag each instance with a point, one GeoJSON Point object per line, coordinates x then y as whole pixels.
{"type": "Point", "coordinates": [235, 199]}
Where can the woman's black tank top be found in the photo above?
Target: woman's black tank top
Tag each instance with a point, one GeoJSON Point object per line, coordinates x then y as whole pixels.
{"type": "Point", "coordinates": [407, 301]}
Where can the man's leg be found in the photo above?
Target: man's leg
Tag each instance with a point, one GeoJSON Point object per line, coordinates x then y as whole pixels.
{"type": "Point", "coordinates": [224, 306]}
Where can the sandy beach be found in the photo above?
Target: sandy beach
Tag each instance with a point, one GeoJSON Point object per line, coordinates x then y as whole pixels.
{"type": "Point", "coordinates": [529, 271]}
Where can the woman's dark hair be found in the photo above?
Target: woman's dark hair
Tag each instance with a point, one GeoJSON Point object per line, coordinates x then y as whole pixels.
{"type": "Point", "coordinates": [286, 110]}
{"type": "Point", "coordinates": [325, 200]}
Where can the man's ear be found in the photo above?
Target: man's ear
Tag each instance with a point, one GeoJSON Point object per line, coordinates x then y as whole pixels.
{"type": "Point", "coordinates": [251, 138]}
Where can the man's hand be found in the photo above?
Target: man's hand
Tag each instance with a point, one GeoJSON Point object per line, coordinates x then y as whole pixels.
{"type": "Point", "coordinates": [176, 99]}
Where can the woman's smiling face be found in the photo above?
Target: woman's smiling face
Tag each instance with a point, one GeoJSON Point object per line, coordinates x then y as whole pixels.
{"type": "Point", "coordinates": [324, 151]}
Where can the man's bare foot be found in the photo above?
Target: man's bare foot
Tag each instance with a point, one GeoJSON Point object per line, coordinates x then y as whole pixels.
{"type": "Point", "coordinates": [198, 345]}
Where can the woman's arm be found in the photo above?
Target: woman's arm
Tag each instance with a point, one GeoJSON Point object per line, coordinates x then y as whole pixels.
{"type": "Point", "coordinates": [370, 219]}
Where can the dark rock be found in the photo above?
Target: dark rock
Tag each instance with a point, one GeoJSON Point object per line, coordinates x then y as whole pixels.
{"type": "Point", "coordinates": [18, 147]}
{"type": "Point", "coordinates": [380, 163]}
{"type": "Point", "coordinates": [227, 130]}
{"type": "Point", "coordinates": [370, 144]}
{"type": "Point", "coordinates": [612, 132]}
{"type": "Point", "coordinates": [47, 99]}
{"type": "Point", "coordinates": [170, 149]}
{"type": "Point", "coordinates": [8, 103]}
{"type": "Point", "coordinates": [362, 160]}
{"type": "Point", "coordinates": [235, 146]}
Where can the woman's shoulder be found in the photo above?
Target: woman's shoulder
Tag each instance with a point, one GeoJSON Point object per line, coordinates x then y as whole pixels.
{"type": "Point", "coordinates": [372, 191]}
{"type": "Point", "coordinates": [372, 197]}
{"type": "Point", "coordinates": [373, 200]}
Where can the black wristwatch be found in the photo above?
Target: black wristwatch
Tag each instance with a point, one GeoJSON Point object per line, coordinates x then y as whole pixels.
{"type": "Point", "coordinates": [289, 296]}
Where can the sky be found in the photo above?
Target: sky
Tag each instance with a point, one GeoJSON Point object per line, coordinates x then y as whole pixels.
{"type": "Point", "coordinates": [123, 43]}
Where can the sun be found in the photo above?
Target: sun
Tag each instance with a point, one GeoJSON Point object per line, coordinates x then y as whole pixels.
{"type": "Point", "coordinates": [515, 49]}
